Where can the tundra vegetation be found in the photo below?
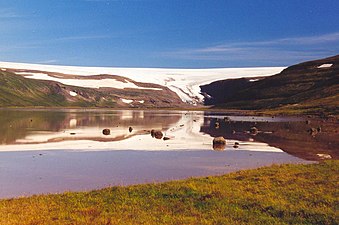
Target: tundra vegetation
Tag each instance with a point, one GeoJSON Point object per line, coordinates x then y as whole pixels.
{"type": "Point", "coordinates": [279, 194]}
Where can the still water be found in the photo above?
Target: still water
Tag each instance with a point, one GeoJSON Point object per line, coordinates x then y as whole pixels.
{"type": "Point", "coordinates": [52, 151]}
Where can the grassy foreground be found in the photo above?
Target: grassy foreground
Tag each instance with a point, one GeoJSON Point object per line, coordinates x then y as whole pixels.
{"type": "Point", "coordinates": [287, 194]}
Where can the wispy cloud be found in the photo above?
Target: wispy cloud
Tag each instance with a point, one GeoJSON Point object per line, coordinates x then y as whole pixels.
{"type": "Point", "coordinates": [284, 50]}
{"type": "Point", "coordinates": [114, 0]}
{"type": "Point", "coordinates": [40, 44]}
{"type": "Point", "coordinates": [6, 13]}
{"type": "Point", "coordinates": [310, 40]}
{"type": "Point", "coordinates": [103, 0]}
{"type": "Point", "coordinates": [83, 37]}
{"type": "Point", "coordinates": [48, 61]}
{"type": "Point", "coordinates": [4, 48]}
{"type": "Point", "coordinates": [293, 41]}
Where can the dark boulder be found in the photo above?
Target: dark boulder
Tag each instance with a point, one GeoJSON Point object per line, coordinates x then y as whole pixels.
{"type": "Point", "coordinates": [219, 143]}
{"type": "Point", "coordinates": [156, 134]}
{"type": "Point", "coordinates": [254, 130]}
{"type": "Point", "coordinates": [106, 131]}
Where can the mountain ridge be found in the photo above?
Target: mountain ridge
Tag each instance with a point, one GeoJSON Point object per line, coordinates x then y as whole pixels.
{"type": "Point", "coordinates": [311, 86]}
{"type": "Point", "coordinates": [184, 82]}
{"type": "Point", "coordinates": [308, 86]}
{"type": "Point", "coordinates": [18, 91]}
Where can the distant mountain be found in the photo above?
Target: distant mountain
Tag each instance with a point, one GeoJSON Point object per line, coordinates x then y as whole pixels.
{"type": "Point", "coordinates": [306, 87]}
{"type": "Point", "coordinates": [48, 85]}
{"type": "Point", "coordinates": [16, 90]}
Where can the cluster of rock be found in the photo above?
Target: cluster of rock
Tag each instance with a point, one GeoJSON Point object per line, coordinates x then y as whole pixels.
{"type": "Point", "coordinates": [107, 131]}
{"type": "Point", "coordinates": [219, 143]}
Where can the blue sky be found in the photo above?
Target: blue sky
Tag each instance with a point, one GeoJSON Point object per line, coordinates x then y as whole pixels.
{"type": "Point", "coordinates": [168, 33]}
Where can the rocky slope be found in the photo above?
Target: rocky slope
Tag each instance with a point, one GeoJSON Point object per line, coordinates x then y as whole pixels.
{"type": "Point", "coordinates": [17, 90]}
{"type": "Point", "coordinates": [310, 86]}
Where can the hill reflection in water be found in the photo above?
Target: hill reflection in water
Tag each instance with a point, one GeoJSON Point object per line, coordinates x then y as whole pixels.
{"type": "Point", "coordinates": [57, 150]}
{"type": "Point", "coordinates": [82, 130]}
{"type": "Point", "coordinates": [185, 130]}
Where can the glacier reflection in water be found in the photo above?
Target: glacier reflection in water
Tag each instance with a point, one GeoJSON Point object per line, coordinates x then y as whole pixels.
{"type": "Point", "coordinates": [82, 131]}
{"type": "Point", "coordinates": [60, 150]}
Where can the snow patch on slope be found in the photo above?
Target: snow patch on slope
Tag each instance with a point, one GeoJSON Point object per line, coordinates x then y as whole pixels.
{"type": "Point", "coordinates": [72, 93]}
{"type": "Point", "coordinates": [127, 101]}
{"type": "Point", "coordinates": [184, 82]}
{"type": "Point", "coordinates": [88, 83]}
{"type": "Point", "coordinates": [326, 65]}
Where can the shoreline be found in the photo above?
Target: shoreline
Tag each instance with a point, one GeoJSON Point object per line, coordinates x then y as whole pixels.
{"type": "Point", "coordinates": [207, 109]}
{"type": "Point", "coordinates": [278, 193]}
{"type": "Point", "coordinates": [267, 112]}
{"type": "Point", "coordinates": [56, 171]}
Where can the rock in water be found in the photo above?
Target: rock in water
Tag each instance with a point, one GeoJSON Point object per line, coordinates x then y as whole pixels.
{"type": "Point", "coordinates": [106, 131]}
{"type": "Point", "coordinates": [219, 140]}
{"type": "Point", "coordinates": [254, 130]}
{"type": "Point", "coordinates": [219, 143]}
{"type": "Point", "coordinates": [152, 133]}
{"type": "Point", "coordinates": [156, 134]}
{"type": "Point", "coordinates": [130, 129]}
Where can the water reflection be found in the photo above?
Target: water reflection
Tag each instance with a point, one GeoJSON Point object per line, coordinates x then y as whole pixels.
{"type": "Point", "coordinates": [180, 130]}
{"type": "Point", "coordinates": [131, 156]}
{"type": "Point", "coordinates": [292, 135]}
{"type": "Point", "coordinates": [37, 127]}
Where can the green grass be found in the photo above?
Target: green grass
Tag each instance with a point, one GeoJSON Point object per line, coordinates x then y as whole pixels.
{"type": "Point", "coordinates": [287, 194]}
{"type": "Point", "coordinates": [16, 90]}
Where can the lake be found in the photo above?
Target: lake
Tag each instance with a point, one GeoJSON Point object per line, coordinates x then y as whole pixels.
{"type": "Point", "coordinates": [52, 151]}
